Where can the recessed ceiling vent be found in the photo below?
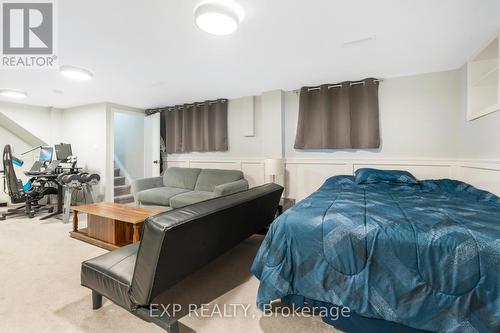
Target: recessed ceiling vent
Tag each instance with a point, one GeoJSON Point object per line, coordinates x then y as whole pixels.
{"type": "Point", "coordinates": [360, 40]}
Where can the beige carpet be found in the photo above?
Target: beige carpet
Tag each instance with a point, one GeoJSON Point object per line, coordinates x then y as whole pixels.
{"type": "Point", "coordinates": [40, 288]}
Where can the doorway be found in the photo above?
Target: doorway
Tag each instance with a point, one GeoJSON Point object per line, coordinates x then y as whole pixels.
{"type": "Point", "coordinates": [128, 153]}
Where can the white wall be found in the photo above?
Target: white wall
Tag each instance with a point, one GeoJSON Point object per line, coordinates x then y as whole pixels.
{"type": "Point", "coordinates": [478, 145]}
{"type": "Point", "coordinates": [89, 129]}
{"type": "Point", "coordinates": [239, 145]}
{"type": "Point", "coordinates": [479, 138]}
{"type": "Point", "coordinates": [273, 111]}
{"type": "Point", "coordinates": [417, 120]}
{"type": "Point", "coordinates": [423, 130]}
{"type": "Point", "coordinates": [418, 132]}
{"type": "Point", "coordinates": [85, 128]}
{"type": "Point", "coordinates": [417, 126]}
{"type": "Point", "coordinates": [35, 119]}
{"type": "Point", "coordinates": [18, 145]}
{"type": "Point", "coordinates": [23, 127]}
{"type": "Point", "coordinates": [267, 141]}
{"type": "Point", "coordinates": [129, 142]}
{"type": "Point", "coordinates": [245, 153]}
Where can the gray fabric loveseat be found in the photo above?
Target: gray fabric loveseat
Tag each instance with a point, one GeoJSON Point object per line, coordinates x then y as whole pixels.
{"type": "Point", "coordinates": [179, 187]}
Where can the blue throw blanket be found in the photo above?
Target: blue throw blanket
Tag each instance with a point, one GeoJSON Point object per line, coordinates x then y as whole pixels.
{"type": "Point", "coordinates": [424, 254]}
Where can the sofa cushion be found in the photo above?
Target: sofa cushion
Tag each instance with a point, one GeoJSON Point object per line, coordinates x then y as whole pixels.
{"type": "Point", "coordinates": [189, 198]}
{"type": "Point", "coordinates": [209, 178]}
{"type": "Point", "coordinates": [181, 177]}
{"type": "Point", "coordinates": [159, 195]}
{"type": "Point", "coordinates": [156, 207]}
{"type": "Point", "coordinates": [111, 274]}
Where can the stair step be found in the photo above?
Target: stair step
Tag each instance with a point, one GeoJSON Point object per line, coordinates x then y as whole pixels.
{"type": "Point", "coordinates": [122, 190]}
{"type": "Point", "coordinates": [117, 172]}
{"type": "Point", "coordinates": [123, 199]}
{"type": "Point", "coordinates": [120, 180]}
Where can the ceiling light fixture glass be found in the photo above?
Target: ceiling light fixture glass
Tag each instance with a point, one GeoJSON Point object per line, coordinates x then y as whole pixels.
{"type": "Point", "coordinates": [11, 93]}
{"type": "Point", "coordinates": [76, 73]}
{"type": "Point", "coordinates": [218, 17]}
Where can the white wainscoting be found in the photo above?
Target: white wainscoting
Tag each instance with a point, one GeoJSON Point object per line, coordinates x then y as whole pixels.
{"type": "Point", "coordinates": [304, 176]}
{"type": "Point", "coordinates": [482, 174]}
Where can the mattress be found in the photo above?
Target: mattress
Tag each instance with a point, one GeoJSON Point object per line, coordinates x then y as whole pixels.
{"type": "Point", "coordinates": [425, 255]}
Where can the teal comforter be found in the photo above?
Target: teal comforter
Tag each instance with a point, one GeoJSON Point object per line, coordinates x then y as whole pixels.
{"type": "Point", "coordinates": [426, 255]}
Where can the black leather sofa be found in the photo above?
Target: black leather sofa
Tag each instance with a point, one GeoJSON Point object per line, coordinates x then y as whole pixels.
{"type": "Point", "coordinates": [175, 244]}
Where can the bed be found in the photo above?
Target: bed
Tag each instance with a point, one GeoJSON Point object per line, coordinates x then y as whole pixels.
{"type": "Point", "coordinates": [401, 254]}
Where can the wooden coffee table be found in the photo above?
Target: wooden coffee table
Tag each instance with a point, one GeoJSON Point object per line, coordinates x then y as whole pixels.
{"type": "Point", "coordinates": [110, 225]}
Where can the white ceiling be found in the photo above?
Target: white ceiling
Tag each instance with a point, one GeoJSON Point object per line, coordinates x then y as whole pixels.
{"type": "Point", "coordinates": [150, 53]}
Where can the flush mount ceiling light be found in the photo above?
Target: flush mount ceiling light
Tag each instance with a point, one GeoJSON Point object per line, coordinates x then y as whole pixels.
{"type": "Point", "coordinates": [11, 93]}
{"type": "Point", "coordinates": [218, 17]}
{"type": "Point", "coordinates": [76, 73]}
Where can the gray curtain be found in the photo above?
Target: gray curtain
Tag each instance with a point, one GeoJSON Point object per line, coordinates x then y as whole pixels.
{"type": "Point", "coordinates": [343, 115]}
{"type": "Point", "coordinates": [199, 127]}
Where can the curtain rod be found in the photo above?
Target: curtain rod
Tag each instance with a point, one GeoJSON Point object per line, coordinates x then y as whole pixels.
{"type": "Point", "coordinates": [170, 108]}
{"type": "Point", "coordinates": [353, 83]}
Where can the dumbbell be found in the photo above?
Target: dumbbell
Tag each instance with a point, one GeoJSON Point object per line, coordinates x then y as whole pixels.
{"type": "Point", "coordinates": [69, 179]}
{"type": "Point", "coordinates": [92, 179]}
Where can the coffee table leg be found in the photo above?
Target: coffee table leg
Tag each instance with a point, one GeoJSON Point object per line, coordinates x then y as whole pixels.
{"type": "Point", "coordinates": [136, 236]}
{"type": "Point", "coordinates": [75, 221]}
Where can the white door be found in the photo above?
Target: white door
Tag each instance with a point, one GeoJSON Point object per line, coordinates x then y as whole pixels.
{"type": "Point", "coordinates": [152, 145]}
